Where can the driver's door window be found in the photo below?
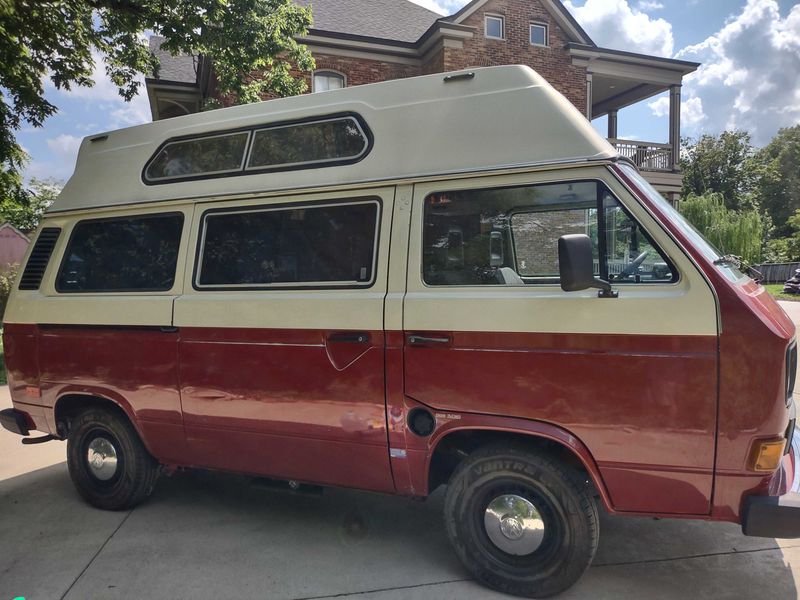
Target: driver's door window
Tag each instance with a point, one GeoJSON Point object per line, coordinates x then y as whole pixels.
{"type": "Point", "coordinates": [509, 236]}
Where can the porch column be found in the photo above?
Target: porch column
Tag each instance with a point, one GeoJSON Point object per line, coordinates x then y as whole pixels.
{"type": "Point", "coordinates": [675, 124]}
{"type": "Point", "coordinates": [589, 95]}
{"type": "Point", "coordinates": [612, 124]}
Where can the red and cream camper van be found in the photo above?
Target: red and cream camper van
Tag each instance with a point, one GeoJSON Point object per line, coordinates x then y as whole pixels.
{"type": "Point", "coordinates": [445, 280]}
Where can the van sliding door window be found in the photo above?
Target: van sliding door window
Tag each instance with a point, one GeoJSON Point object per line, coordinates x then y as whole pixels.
{"type": "Point", "coordinates": [333, 245]}
{"type": "Point", "coordinates": [130, 254]}
{"type": "Point", "coordinates": [509, 236]}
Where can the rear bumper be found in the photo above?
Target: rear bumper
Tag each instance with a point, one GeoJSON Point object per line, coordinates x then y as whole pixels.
{"type": "Point", "coordinates": [772, 516]}
{"type": "Point", "coordinates": [15, 421]}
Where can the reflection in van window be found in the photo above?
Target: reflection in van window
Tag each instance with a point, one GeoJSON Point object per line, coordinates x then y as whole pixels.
{"type": "Point", "coordinates": [311, 245]}
{"type": "Point", "coordinates": [307, 143]}
{"type": "Point", "coordinates": [202, 156]}
{"type": "Point", "coordinates": [509, 236]}
{"type": "Point", "coordinates": [133, 254]}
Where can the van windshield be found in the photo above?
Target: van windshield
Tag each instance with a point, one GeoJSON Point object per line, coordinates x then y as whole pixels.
{"type": "Point", "coordinates": [698, 240]}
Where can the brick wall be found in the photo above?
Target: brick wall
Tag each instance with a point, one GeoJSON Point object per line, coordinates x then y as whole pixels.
{"type": "Point", "coordinates": [553, 63]}
{"type": "Point", "coordinates": [536, 238]}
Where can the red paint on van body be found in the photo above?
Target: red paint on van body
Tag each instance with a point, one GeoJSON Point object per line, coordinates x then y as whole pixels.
{"type": "Point", "coordinates": [755, 334]}
{"type": "Point", "coordinates": [645, 406]}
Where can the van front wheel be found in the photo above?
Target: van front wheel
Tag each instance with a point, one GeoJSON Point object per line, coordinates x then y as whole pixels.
{"type": "Point", "coordinates": [521, 522]}
{"type": "Point", "coordinates": [107, 461]}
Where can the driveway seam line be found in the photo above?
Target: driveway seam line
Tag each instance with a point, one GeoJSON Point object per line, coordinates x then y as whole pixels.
{"type": "Point", "coordinates": [96, 554]}
{"type": "Point", "coordinates": [693, 556]}
{"type": "Point", "coordinates": [388, 589]}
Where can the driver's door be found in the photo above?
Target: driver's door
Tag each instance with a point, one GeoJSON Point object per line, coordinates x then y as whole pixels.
{"type": "Point", "coordinates": [488, 329]}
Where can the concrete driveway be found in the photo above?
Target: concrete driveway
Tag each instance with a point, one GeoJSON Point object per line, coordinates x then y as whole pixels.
{"type": "Point", "coordinates": [212, 535]}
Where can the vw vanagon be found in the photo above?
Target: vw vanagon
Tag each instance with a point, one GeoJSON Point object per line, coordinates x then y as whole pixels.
{"type": "Point", "coordinates": [445, 280]}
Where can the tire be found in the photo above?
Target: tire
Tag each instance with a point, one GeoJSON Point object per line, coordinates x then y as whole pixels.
{"type": "Point", "coordinates": [487, 497]}
{"type": "Point", "coordinates": [109, 484]}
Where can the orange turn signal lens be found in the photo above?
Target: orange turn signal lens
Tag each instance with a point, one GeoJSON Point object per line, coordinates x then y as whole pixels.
{"type": "Point", "coordinates": [766, 456]}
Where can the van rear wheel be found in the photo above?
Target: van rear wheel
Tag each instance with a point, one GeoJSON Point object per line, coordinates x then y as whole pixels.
{"type": "Point", "coordinates": [521, 522]}
{"type": "Point", "coordinates": [108, 464]}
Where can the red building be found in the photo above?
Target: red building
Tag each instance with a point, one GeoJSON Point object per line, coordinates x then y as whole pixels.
{"type": "Point", "coordinates": [356, 42]}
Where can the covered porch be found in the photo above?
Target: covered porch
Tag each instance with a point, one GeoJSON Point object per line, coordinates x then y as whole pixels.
{"type": "Point", "coordinates": [616, 80]}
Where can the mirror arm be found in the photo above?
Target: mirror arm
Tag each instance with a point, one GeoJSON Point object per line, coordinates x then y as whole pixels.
{"type": "Point", "coordinates": [606, 291]}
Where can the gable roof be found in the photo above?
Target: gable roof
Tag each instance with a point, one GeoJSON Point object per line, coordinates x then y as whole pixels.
{"type": "Point", "coordinates": [397, 20]}
{"type": "Point", "coordinates": [556, 8]}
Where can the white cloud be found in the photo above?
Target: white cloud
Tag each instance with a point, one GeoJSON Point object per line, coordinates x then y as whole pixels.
{"type": "Point", "coordinates": [64, 146]}
{"type": "Point", "coordinates": [615, 24]}
{"type": "Point", "coordinates": [650, 5]}
{"type": "Point", "coordinates": [443, 7]}
{"type": "Point", "coordinates": [750, 72]}
{"type": "Point", "coordinates": [691, 110]}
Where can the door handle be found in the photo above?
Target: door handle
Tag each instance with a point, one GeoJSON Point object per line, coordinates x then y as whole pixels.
{"type": "Point", "coordinates": [420, 340]}
{"type": "Point", "coordinates": [349, 337]}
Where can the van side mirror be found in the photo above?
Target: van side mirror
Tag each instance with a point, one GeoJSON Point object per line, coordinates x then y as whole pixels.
{"type": "Point", "coordinates": [576, 266]}
{"type": "Point", "coordinates": [497, 256]}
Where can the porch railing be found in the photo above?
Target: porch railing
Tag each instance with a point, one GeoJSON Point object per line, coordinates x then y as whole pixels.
{"type": "Point", "coordinates": [646, 155]}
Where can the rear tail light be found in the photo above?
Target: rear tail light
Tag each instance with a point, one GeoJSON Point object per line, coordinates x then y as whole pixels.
{"type": "Point", "coordinates": [791, 371]}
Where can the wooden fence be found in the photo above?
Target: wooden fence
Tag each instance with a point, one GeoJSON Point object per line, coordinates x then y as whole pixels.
{"type": "Point", "coordinates": [777, 272]}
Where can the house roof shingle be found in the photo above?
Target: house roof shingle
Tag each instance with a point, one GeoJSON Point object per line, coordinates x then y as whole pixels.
{"type": "Point", "coordinates": [173, 68]}
{"type": "Point", "coordinates": [398, 20]}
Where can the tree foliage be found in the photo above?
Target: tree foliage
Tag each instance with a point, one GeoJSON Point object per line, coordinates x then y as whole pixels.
{"type": "Point", "coordinates": [726, 164]}
{"type": "Point", "coordinates": [252, 43]}
{"type": "Point", "coordinates": [779, 187]}
{"type": "Point", "coordinates": [26, 210]}
{"type": "Point", "coordinates": [733, 232]}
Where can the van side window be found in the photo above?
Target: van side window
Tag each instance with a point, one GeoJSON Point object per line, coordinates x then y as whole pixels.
{"type": "Point", "coordinates": [130, 254]}
{"type": "Point", "coordinates": [299, 246]}
{"type": "Point", "coordinates": [307, 144]}
{"type": "Point", "coordinates": [211, 155]}
{"type": "Point", "coordinates": [509, 236]}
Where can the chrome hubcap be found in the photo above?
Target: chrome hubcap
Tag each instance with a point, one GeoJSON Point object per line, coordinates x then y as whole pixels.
{"type": "Point", "coordinates": [102, 458]}
{"type": "Point", "coordinates": [514, 525]}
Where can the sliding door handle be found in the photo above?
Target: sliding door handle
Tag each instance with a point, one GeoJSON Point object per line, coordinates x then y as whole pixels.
{"type": "Point", "coordinates": [421, 340]}
{"type": "Point", "coordinates": [349, 337]}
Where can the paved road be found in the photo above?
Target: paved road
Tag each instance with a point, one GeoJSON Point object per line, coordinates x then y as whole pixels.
{"type": "Point", "coordinates": [208, 535]}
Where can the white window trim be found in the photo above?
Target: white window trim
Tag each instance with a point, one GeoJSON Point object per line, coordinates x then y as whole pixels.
{"type": "Point", "coordinates": [322, 71]}
{"type": "Point", "coordinates": [502, 20]}
{"type": "Point", "coordinates": [546, 34]}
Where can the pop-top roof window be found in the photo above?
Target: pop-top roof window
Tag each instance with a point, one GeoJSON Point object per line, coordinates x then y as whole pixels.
{"type": "Point", "coordinates": [284, 146]}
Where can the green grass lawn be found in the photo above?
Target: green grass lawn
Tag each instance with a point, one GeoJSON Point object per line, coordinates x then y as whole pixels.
{"type": "Point", "coordinates": [776, 289]}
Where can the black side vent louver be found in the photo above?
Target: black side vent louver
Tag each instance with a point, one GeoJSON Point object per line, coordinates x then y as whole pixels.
{"type": "Point", "coordinates": [40, 256]}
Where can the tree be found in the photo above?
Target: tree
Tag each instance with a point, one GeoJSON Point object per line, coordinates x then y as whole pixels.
{"type": "Point", "coordinates": [726, 164]}
{"type": "Point", "coordinates": [779, 188]}
{"type": "Point", "coordinates": [733, 232]}
{"type": "Point", "coordinates": [252, 44]}
{"type": "Point", "coordinates": [26, 211]}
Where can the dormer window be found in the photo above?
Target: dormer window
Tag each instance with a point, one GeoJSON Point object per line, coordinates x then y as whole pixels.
{"type": "Point", "coordinates": [539, 35]}
{"type": "Point", "coordinates": [495, 27]}
{"type": "Point", "coordinates": [328, 80]}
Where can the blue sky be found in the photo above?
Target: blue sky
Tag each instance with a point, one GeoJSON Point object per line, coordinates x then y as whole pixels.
{"type": "Point", "coordinates": [750, 78]}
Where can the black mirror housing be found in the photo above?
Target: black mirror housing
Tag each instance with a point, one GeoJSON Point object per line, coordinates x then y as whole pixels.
{"type": "Point", "coordinates": [576, 266]}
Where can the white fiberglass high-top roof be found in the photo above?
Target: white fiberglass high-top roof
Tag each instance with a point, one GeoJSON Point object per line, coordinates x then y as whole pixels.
{"type": "Point", "coordinates": [499, 117]}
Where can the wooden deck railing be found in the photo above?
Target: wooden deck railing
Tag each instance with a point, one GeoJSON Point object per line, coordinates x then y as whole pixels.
{"type": "Point", "coordinates": [646, 155]}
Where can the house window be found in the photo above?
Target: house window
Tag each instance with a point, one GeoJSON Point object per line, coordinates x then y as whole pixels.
{"type": "Point", "coordinates": [328, 80]}
{"type": "Point", "coordinates": [495, 27]}
{"type": "Point", "coordinates": [539, 35]}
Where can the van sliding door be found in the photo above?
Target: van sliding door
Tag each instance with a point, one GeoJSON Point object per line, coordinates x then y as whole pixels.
{"type": "Point", "coordinates": [282, 341]}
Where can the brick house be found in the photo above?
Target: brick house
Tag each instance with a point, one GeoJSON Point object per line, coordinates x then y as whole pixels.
{"type": "Point", "coordinates": [355, 42]}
